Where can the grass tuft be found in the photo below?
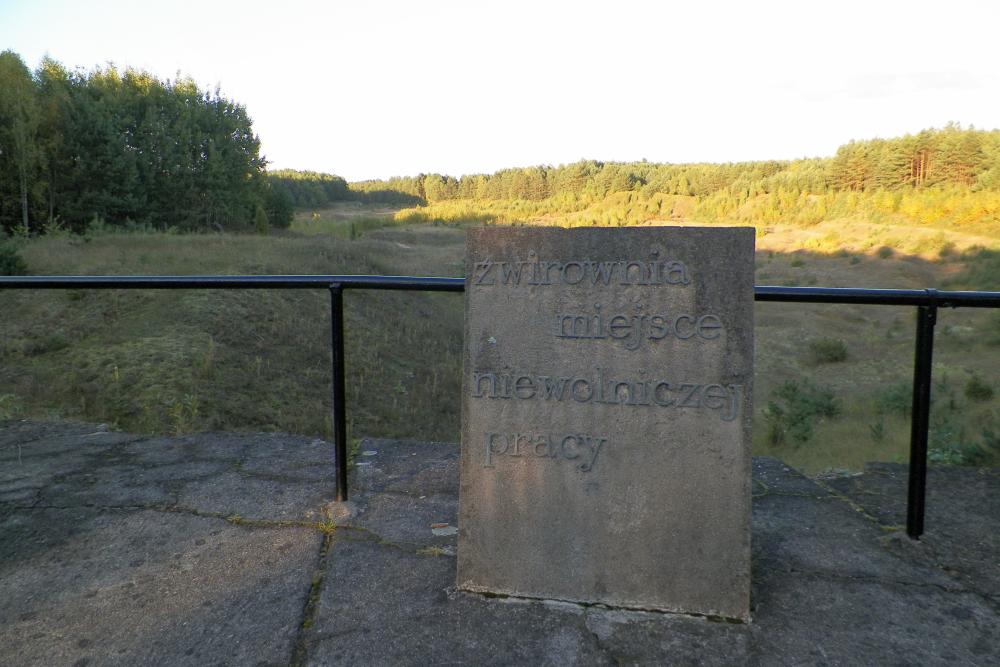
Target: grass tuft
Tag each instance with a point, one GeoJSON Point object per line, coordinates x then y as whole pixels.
{"type": "Point", "coordinates": [827, 351]}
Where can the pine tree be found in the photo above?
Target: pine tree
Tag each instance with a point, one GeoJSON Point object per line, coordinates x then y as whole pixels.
{"type": "Point", "coordinates": [54, 108]}
{"type": "Point", "coordinates": [18, 129]}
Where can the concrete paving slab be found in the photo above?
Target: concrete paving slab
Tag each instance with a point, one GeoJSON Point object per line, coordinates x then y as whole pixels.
{"type": "Point", "coordinates": [834, 620]}
{"type": "Point", "coordinates": [122, 550]}
{"type": "Point", "coordinates": [174, 577]}
{"type": "Point", "coordinates": [963, 512]}
{"type": "Point", "coordinates": [297, 459]}
{"type": "Point", "coordinates": [164, 451]}
{"type": "Point", "coordinates": [422, 619]}
{"type": "Point", "coordinates": [801, 534]}
{"type": "Point", "coordinates": [829, 588]}
{"type": "Point", "coordinates": [251, 497]}
{"type": "Point", "coordinates": [409, 491]}
{"type": "Point", "coordinates": [52, 437]}
{"type": "Point", "coordinates": [116, 587]}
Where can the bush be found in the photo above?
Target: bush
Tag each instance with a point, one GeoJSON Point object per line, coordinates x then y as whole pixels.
{"type": "Point", "coordinates": [977, 389]}
{"type": "Point", "coordinates": [10, 407]}
{"type": "Point", "coordinates": [885, 252]}
{"type": "Point", "coordinates": [897, 399]}
{"type": "Point", "coordinates": [981, 271]}
{"type": "Point", "coordinates": [11, 262]}
{"type": "Point", "coordinates": [794, 408]}
{"type": "Point", "coordinates": [827, 351]}
{"type": "Point", "coordinates": [953, 439]}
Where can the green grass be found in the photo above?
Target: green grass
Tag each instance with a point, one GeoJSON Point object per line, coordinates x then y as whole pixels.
{"type": "Point", "coordinates": [827, 351]}
{"type": "Point", "coordinates": [191, 360]}
{"type": "Point", "coordinates": [334, 223]}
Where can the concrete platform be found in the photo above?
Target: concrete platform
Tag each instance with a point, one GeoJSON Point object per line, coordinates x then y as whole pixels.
{"type": "Point", "coordinates": [225, 549]}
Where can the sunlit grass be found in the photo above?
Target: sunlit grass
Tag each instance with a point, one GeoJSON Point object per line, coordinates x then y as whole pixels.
{"type": "Point", "coordinates": [177, 361]}
{"type": "Point", "coordinates": [342, 223]}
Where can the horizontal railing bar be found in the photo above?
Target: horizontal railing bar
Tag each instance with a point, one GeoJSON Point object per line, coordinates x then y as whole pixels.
{"type": "Point", "coordinates": [845, 295]}
{"type": "Point", "coordinates": [882, 297]}
{"type": "Point", "coordinates": [235, 282]}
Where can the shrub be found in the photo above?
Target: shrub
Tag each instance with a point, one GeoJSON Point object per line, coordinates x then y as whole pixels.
{"type": "Point", "coordinates": [10, 406]}
{"type": "Point", "coordinates": [827, 351]}
{"type": "Point", "coordinates": [885, 252]}
{"type": "Point", "coordinates": [877, 430]}
{"type": "Point", "coordinates": [948, 443]}
{"type": "Point", "coordinates": [794, 408]}
{"type": "Point", "coordinates": [896, 399]}
{"type": "Point", "coordinates": [947, 456]}
{"type": "Point", "coordinates": [798, 262]}
{"type": "Point", "coordinates": [11, 262]}
{"type": "Point", "coordinates": [977, 389]}
{"type": "Point", "coordinates": [953, 439]}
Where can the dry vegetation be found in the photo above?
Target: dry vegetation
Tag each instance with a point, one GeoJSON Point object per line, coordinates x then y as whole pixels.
{"type": "Point", "coordinates": [832, 382]}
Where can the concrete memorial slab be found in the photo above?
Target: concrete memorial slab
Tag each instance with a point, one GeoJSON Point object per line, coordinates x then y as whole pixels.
{"type": "Point", "coordinates": [606, 417]}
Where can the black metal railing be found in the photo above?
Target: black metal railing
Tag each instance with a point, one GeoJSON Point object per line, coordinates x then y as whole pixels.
{"type": "Point", "coordinates": [926, 301]}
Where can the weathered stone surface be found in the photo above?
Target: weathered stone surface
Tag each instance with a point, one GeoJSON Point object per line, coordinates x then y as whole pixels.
{"type": "Point", "coordinates": [254, 498]}
{"type": "Point", "coordinates": [132, 588]}
{"type": "Point", "coordinates": [100, 563]}
{"type": "Point", "coordinates": [606, 417]}
{"type": "Point", "coordinates": [828, 589]}
{"type": "Point", "coordinates": [407, 489]}
{"type": "Point", "coordinates": [83, 583]}
{"type": "Point", "coordinates": [835, 620]}
{"type": "Point", "coordinates": [388, 595]}
{"type": "Point", "coordinates": [966, 549]}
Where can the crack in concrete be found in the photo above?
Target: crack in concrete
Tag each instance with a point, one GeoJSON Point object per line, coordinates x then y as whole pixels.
{"type": "Point", "coordinates": [855, 506]}
{"type": "Point", "coordinates": [782, 494]}
{"type": "Point", "coordinates": [601, 648]}
{"type": "Point", "coordinates": [992, 601]}
{"type": "Point", "coordinates": [300, 649]}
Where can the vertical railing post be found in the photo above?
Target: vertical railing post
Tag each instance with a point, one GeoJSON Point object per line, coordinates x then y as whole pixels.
{"type": "Point", "coordinates": [923, 355]}
{"type": "Point", "coordinates": [338, 414]}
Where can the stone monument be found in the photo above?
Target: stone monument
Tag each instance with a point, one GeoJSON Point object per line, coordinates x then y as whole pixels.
{"type": "Point", "coordinates": [606, 416]}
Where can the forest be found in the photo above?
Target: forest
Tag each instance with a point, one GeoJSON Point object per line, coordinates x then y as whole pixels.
{"type": "Point", "coordinates": [310, 189]}
{"type": "Point", "coordinates": [951, 156]}
{"type": "Point", "coordinates": [944, 177]}
{"type": "Point", "coordinates": [123, 149]}
{"type": "Point", "coordinates": [948, 176]}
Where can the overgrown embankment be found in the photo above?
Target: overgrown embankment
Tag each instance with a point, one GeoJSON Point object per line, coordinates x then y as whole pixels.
{"type": "Point", "coordinates": [188, 360]}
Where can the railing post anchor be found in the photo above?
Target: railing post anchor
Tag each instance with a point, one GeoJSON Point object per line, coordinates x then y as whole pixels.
{"type": "Point", "coordinates": [338, 414]}
{"type": "Point", "coordinates": [920, 416]}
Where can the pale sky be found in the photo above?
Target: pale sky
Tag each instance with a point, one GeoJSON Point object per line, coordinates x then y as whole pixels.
{"type": "Point", "coordinates": [381, 88]}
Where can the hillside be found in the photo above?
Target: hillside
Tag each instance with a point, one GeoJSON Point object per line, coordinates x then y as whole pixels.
{"type": "Point", "coordinates": [832, 387]}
